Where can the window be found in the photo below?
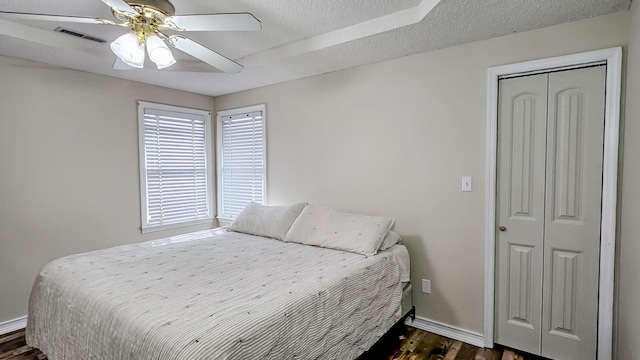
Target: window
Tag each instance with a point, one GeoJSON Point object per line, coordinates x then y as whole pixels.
{"type": "Point", "coordinates": [175, 170]}
{"type": "Point", "coordinates": [241, 159]}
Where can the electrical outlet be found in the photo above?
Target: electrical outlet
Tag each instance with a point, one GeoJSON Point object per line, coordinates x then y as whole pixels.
{"type": "Point", "coordinates": [426, 286]}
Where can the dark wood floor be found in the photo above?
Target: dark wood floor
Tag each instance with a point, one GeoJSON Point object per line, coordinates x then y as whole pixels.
{"type": "Point", "coordinates": [414, 345]}
{"type": "Point", "coordinates": [409, 343]}
{"type": "Point", "coordinates": [12, 346]}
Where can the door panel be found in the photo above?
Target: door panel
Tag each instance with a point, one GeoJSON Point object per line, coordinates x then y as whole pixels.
{"type": "Point", "coordinates": [567, 154]}
{"type": "Point", "coordinates": [522, 117]}
{"type": "Point", "coordinates": [564, 281]}
{"type": "Point", "coordinates": [575, 140]}
{"type": "Point", "coordinates": [520, 285]}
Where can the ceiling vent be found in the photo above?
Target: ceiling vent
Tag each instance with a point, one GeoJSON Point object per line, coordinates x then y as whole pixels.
{"type": "Point", "coordinates": [60, 29]}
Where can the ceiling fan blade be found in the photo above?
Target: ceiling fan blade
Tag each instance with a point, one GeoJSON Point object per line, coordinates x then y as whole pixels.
{"type": "Point", "coordinates": [62, 18]}
{"type": "Point", "coordinates": [189, 66]}
{"type": "Point", "coordinates": [119, 5]}
{"type": "Point", "coordinates": [181, 66]}
{"type": "Point", "coordinates": [218, 22]}
{"type": "Point", "coordinates": [205, 54]}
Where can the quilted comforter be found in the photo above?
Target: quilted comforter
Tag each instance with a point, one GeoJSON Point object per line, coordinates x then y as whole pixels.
{"type": "Point", "coordinates": [215, 295]}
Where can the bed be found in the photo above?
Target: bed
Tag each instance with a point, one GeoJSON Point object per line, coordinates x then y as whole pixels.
{"type": "Point", "coordinates": [219, 294]}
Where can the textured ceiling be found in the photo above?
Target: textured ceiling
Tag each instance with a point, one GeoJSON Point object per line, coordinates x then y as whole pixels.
{"type": "Point", "coordinates": [298, 39]}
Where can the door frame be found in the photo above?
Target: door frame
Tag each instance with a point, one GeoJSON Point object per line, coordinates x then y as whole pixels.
{"type": "Point", "coordinates": [611, 57]}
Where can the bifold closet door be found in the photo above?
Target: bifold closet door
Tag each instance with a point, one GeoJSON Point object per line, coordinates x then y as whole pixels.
{"type": "Point", "coordinates": [550, 151]}
{"type": "Point", "coordinates": [522, 132]}
{"type": "Point", "coordinates": [575, 141]}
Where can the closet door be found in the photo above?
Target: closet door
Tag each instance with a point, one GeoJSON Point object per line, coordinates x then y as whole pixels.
{"type": "Point", "coordinates": [575, 140]}
{"type": "Point", "coordinates": [522, 118]}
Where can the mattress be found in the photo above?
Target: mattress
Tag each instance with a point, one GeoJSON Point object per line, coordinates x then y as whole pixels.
{"type": "Point", "coordinates": [407, 298]}
{"type": "Point", "coordinates": [216, 295]}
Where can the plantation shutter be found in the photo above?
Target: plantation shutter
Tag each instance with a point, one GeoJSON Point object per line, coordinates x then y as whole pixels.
{"type": "Point", "coordinates": [242, 162]}
{"type": "Point", "coordinates": [175, 167]}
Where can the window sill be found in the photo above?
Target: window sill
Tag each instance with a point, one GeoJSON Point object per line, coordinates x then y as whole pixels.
{"type": "Point", "coordinates": [178, 225]}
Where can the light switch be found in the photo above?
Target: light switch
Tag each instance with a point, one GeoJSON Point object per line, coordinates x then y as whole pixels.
{"type": "Point", "coordinates": [466, 183]}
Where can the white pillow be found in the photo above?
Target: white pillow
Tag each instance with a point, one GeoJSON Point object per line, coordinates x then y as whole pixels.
{"type": "Point", "coordinates": [391, 239]}
{"type": "Point", "coordinates": [267, 221]}
{"type": "Point", "coordinates": [335, 229]}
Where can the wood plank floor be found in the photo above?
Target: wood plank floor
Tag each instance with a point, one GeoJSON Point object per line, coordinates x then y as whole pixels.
{"type": "Point", "coordinates": [13, 346]}
{"type": "Point", "coordinates": [409, 343]}
{"type": "Point", "coordinates": [414, 345]}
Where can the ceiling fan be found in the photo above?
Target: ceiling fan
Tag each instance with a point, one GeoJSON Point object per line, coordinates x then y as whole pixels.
{"type": "Point", "coordinates": [148, 21]}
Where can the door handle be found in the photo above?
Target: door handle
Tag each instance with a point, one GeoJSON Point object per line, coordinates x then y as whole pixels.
{"type": "Point", "coordinates": [502, 228]}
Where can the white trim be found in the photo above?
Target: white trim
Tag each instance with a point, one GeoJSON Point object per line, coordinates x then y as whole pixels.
{"type": "Point", "coordinates": [146, 230]}
{"type": "Point", "coordinates": [344, 35]}
{"type": "Point", "coordinates": [613, 59]}
{"type": "Point", "coordinates": [13, 325]}
{"type": "Point", "coordinates": [445, 330]}
{"type": "Point", "coordinates": [490, 209]}
{"type": "Point", "coordinates": [609, 205]}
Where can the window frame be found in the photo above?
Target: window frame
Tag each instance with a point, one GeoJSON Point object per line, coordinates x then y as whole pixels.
{"type": "Point", "coordinates": [142, 105]}
{"type": "Point", "coordinates": [219, 165]}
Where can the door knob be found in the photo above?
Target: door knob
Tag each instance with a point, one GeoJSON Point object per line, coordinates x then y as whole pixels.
{"type": "Point", "coordinates": [502, 228]}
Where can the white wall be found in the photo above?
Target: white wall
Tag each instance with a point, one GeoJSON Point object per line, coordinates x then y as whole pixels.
{"type": "Point", "coordinates": [394, 138]}
{"type": "Point", "coordinates": [69, 178]}
{"type": "Point", "coordinates": [629, 243]}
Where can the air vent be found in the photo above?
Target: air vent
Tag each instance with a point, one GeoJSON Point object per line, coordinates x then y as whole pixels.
{"type": "Point", "coordinates": [60, 29]}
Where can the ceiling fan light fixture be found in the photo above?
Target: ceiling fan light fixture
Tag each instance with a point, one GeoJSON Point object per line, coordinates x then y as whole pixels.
{"type": "Point", "coordinates": [159, 52]}
{"type": "Point", "coordinates": [147, 21]}
{"type": "Point", "coordinates": [129, 49]}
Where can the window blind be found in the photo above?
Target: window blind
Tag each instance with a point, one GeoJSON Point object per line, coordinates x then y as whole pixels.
{"type": "Point", "coordinates": [175, 167]}
{"type": "Point", "coordinates": [241, 152]}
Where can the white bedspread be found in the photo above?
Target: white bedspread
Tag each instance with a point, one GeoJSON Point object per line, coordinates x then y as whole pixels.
{"type": "Point", "coordinates": [211, 295]}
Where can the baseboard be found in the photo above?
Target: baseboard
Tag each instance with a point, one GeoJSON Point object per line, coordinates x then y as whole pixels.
{"type": "Point", "coordinates": [449, 331]}
{"type": "Point", "coordinates": [13, 325]}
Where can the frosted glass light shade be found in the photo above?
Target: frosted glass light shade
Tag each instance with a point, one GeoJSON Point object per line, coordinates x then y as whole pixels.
{"type": "Point", "coordinates": [159, 53]}
{"type": "Point", "coordinates": [128, 48]}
